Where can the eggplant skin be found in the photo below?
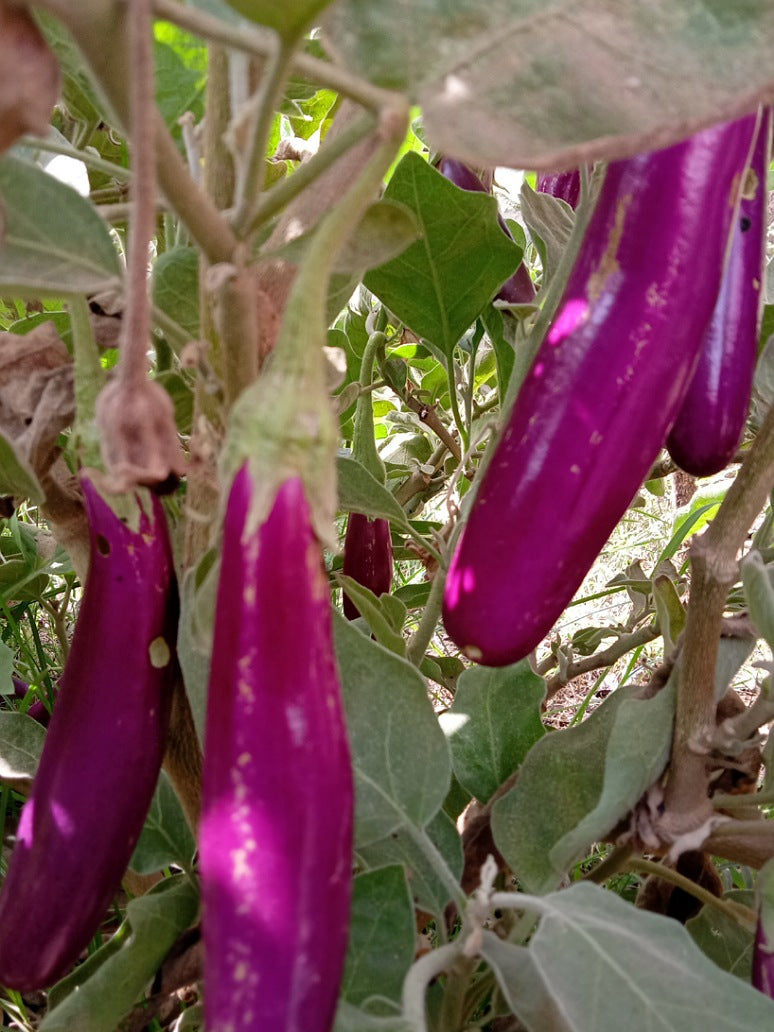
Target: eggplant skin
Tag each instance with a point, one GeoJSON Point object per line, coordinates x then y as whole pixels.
{"type": "Point", "coordinates": [102, 753]}
{"type": "Point", "coordinates": [564, 185]}
{"type": "Point", "coordinates": [711, 421]}
{"type": "Point", "coordinates": [519, 288]}
{"type": "Point", "coordinates": [367, 557]}
{"type": "Point", "coordinates": [763, 962]}
{"type": "Point", "coordinates": [276, 828]}
{"type": "Point", "coordinates": [601, 395]}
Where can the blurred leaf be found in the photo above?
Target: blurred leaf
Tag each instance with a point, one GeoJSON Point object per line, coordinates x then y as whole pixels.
{"type": "Point", "coordinates": [78, 92]}
{"type": "Point", "coordinates": [181, 74]}
{"type": "Point", "coordinates": [166, 838]}
{"type": "Point", "coordinates": [427, 889]}
{"type": "Point", "coordinates": [758, 582]}
{"type": "Point", "coordinates": [288, 19]}
{"type": "Point", "coordinates": [724, 940]}
{"type": "Point", "coordinates": [359, 491]}
{"type": "Point", "coordinates": [651, 970]}
{"type": "Point", "coordinates": [117, 976]}
{"type": "Point", "coordinates": [382, 936]}
{"type": "Point", "coordinates": [440, 284]}
{"type": "Point", "coordinates": [16, 475]}
{"type": "Point", "coordinates": [7, 661]}
{"type": "Point", "coordinates": [351, 1019]}
{"type": "Point", "coordinates": [549, 221]}
{"type": "Point", "coordinates": [492, 724]}
{"type": "Point", "coordinates": [21, 743]}
{"type": "Point", "coordinates": [55, 242]}
{"type": "Point", "coordinates": [699, 513]}
{"type": "Point", "coordinates": [370, 608]}
{"type": "Point", "coordinates": [400, 757]}
{"type": "Point", "coordinates": [176, 286]}
{"type": "Point", "coordinates": [551, 85]}
{"type": "Point", "coordinates": [669, 611]}
{"type": "Point", "coordinates": [576, 784]}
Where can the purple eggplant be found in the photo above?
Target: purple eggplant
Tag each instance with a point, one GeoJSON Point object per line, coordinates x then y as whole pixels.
{"type": "Point", "coordinates": [564, 185]}
{"type": "Point", "coordinates": [763, 962]}
{"type": "Point", "coordinates": [519, 288]}
{"type": "Point", "coordinates": [102, 753]}
{"type": "Point", "coordinates": [367, 557]}
{"type": "Point", "coordinates": [276, 829]}
{"type": "Point", "coordinates": [711, 421]}
{"type": "Point", "coordinates": [601, 395]}
{"type": "Point", "coordinates": [36, 709]}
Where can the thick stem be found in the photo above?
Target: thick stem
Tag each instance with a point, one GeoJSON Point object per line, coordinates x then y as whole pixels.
{"type": "Point", "coordinates": [423, 635]}
{"type": "Point", "coordinates": [606, 658]}
{"type": "Point", "coordinates": [364, 444]}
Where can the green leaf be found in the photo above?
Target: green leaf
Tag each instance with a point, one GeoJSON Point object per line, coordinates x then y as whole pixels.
{"type": "Point", "coordinates": [400, 757]}
{"type": "Point", "coordinates": [181, 74]}
{"type": "Point", "coordinates": [427, 889]}
{"type": "Point", "coordinates": [359, 491]}
{"type": "Point", "coordinates": [117, 976]}
{"type": "Point", "coordinates": [176, 287]}
{"type": "Point", "coordinates": [352, 1019]}
{"type": "Point", "coordinates": [669, 611]}
{"type": "Point", "coordinates": [550, 85]}
{"type": "Point", "coordinates": [16, 475]}
{"type": "Point", "coordinates": [78, 92]}
{"type": "Point", "coordinates": [700, 511]}
{"type": "Point", "coordinates": [605, 959]}
{"type": "Point", "coordinates": [386, 230]}
{"type": "Point", "coordinates": [6, 669]}
{"type": "Point", "coordinates": [166, 838]}
{"type": "Point", "coordinates": [21, 743]}
{"type": "Point", "coordinates": [382, 936]}
{"type": "Point", "coordinates": [492, 724]}
{"type": "Point", "coordinates": [288, 19]}
{"type": "Point", "coordinates": [440, 284]}
{"type": "Point", "coordinates": [55, 242]}
{"type": "Point", "coordinates": [521, 983]}
{"type": "Point", "coordinates": [724, 940]}
{"type": "Point", "coordinates": [576, 784]}
{"type": "Point", "coordinates": [370, 608]}
{"type": "Point", "coordinates": [759, 592]}
{"type": "Point", "coordinates": [550, 223]}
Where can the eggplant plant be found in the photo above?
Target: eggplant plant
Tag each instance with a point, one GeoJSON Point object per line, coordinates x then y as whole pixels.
{"type": "Point", "coordinates": [458, 718]}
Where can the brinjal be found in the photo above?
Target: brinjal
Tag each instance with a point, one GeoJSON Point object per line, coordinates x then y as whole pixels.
{"type": "Point", "coordinates": [603, 391]}
{"type": "Point", "coordinates": [711, 421]}
{"type": "Point", "coordinates": [102, 752]}
{"type": "Point", "coordinates": [518, 289]}
{"type": "Point", "coordinates": [276, 829]}
{"type": "Point", "coordinates": [35, 709]}
{"type": "Point", "coordinates": [564, 185]}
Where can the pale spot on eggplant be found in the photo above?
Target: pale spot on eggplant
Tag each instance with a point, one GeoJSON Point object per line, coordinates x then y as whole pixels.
{"type": "Point", "coordinates": [159, 653]}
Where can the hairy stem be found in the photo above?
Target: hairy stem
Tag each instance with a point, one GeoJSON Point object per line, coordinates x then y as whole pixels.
{"type": "Point", "coordinates": [423, 635]}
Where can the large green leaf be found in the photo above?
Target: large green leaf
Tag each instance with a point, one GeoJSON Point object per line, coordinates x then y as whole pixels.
{"type": "Point", "coordinates": [21, 743]}
{"type": "Point", "coordinates": [428, 890]}
{"type": "Point", "coordinates": [360, 491]}
{"type": "Point", "coordinates": [55, 242]}
{"type": "Point", "coordinates": [608, 964]}
{"type": "Point", "coordinates": [492, 724]}
{"type": "Point", "coordinates": [551, 83]}
{"type": "Point", "coordinates": [166, 836]}
{"type": "Point", "coordinates": [98, 994]}
{"type": "Point", "coordinates": [382, 935]}
{"type": "Point", "coordinates": [401, 760]}
{"type": "Point", "coordinates": [439, 284]}
{"type": "Point", "coordinates": [17, 477]}
{"type": "Point", "coordinates": [176, 286]}
{"type": "Point", "coordinates": [181, 73]}
{"type": "Point", "coordinates": [725, 941]}
{"type": "Point", "coordinates": [576, 784]}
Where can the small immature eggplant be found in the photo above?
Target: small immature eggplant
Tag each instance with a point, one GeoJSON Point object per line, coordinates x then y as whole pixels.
{"type": "Point", "coordinates": [711, 421]}
{"type": "Point", "coordinates": [367, 557]}
{"type": "Point", "coordinates": [519, 288]}
{"type": "Point", "coordinates": [564, 185]}
{"type": "Point", "coordinates": [102, 753]}
{"type": "Point", "coordinates": [602, 393]}
{"type": "Point", "coordinates": [36, 709]}
{"type": "Point", "coordinates": [276, 828]}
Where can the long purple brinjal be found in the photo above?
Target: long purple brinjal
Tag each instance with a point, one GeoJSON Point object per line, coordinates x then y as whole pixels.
{"type": "Point", "coordinates": [711, 421]}
{"type": "Point", "coordinates": [564, 185]}
{"type": "Point", "coordinates": [102, 753]}
{"type": "Point", "coordinates": [602, 393]}
{"type": "Point", "coordinates": [276, 828]}
{"type": "Point", "coordinates": [518, 289]}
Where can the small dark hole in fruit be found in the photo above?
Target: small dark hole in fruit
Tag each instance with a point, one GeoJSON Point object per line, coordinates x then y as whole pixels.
{"type": "Point", "coordinates": [103, 545]}
{"type": "Point", "coordinates": [745, 223]}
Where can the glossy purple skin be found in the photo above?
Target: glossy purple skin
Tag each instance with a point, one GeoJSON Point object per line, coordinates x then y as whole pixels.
{"type": "Point", "coordinates": [763, 963]}
{"type": "Point", "coordinates": [603, 391]}
{"type": "Point", "coordinates": [711, 421]}
{"type": "Point", "coordinates": [519, 288]}
{"type": "Point", "coordinates": [564, 185]}
{"type": "Point", "coordinates": [367, 557]}
{"type": "Point", "coordinates": [276, 828]}
{"type": "Point", "coordinates": [36, 709]}
{"type": "Point", "coordinates": [102, 753]}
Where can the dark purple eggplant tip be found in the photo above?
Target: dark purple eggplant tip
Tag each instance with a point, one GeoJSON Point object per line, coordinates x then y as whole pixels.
{"type": "Point", "coordinates": [367, 557]}
{"type": "Point", "coordinates": [564, 185]}
{"type": "Point", "coordinates": [763, 963]}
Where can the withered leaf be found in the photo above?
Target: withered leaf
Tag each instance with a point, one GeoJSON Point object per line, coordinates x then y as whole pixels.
{"type": "Point", "coordinates": [29, 76]}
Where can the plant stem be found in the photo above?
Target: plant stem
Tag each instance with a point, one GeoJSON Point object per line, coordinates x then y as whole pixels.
{"type": "Point", "coordinates": [736, 911]}
{"type": "Point", "coordinates": [452, 381]}
{"type": "Point", "coordinates": [429, 850]}
{"type": "Point", "coordinates": [615, 862]}
{"type": "Point", "coordinates": [418, 978]}
{"type": "Point", "coordinates": [625, 643]}
{"type": "Point", "coordinates": [251, 39]}
{"type": "Point", "coordinates": [251, 174]}
{"type": "Point", "coordinates": [89, 158]}
{"type": "Point", "coordinates": [276, 199]}
{"type": "Point", "coordinates": [363, 442]}
{"type": "Point", "coordinates": [423, 635]}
